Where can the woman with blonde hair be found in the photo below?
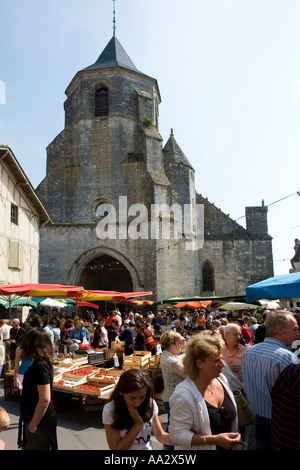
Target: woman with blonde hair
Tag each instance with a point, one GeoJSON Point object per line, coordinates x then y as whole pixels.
{"type": "Point", "coordinates": [171, 365]}
{"type": "Point", "coordinates": [203, 411]}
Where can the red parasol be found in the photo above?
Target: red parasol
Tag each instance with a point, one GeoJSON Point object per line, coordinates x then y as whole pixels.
{"type": "Point", "coordinates": [87, 304]}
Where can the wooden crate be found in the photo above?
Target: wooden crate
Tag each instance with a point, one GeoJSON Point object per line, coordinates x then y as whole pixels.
{"type": "Point", "coordinates": [154, 361]}
{"type": "Point", "coordinates": [97, 390]}
{"type": "Point", "coordinates": [111, 371]}
{"type": "Point", "coordinates": [67, 384]}
{"type": "Point", "coordinates": [136, 360]}
{"type": "Point", "coordinates": [69, 361]}
{"type": "Point", "coordinates": [100, 377]}
{"type": "Point", "coordinates": [58, 369]}
{"type": "Point", "coordinates": [142, 353]}
{"type": "Point", "coordinates": [117, 345]}
{"type": "Point", "coordinates": [82, 371]}
{"type": "Point", "coordinates": [135, 366]}
{"type": "Point", "coordinates": [109, 353]}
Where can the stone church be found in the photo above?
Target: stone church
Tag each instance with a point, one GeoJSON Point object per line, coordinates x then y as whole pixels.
{"type": "Point", "coordinates": [110, 150]}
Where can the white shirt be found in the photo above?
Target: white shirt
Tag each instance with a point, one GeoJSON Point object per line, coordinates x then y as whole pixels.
{"type": "Point", "coordinates": [189, 411]}
{"type": "Point", "coordinates": [5, 329]}
{"type": "Point", "coordinates": [143, 439]}
{"type": "Point", "coordinates": [164, 328]}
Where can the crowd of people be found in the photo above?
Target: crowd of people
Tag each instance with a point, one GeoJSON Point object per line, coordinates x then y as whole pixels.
{"type": "Point", "coordinates": [205, 358]}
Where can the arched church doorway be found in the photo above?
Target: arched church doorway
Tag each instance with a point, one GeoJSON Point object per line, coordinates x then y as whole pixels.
{"type": "Point", "coordinates": [105, 273]}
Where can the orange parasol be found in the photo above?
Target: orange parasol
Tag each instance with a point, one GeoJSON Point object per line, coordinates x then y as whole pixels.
{"type": "Point", "coordinates": [193, 305]}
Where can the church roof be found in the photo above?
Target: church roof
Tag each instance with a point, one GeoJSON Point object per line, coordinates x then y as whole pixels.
{"type": "Point", "coordinates": [114, 55]}
{"type": "Point", "coordinates": [173, 152]}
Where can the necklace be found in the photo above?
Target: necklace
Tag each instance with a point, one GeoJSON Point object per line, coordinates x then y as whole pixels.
{"type": "Point", "coordinates": [211, 390]}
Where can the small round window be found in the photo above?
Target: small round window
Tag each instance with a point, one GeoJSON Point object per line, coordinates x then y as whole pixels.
{"type": "Point", "coordinates": [103, 209]}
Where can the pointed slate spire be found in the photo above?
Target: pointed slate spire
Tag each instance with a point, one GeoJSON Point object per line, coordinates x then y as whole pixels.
{"type": "Point", "coordinates": [173, 152]}
{"type": "Point", "coordinates": [114, 55]}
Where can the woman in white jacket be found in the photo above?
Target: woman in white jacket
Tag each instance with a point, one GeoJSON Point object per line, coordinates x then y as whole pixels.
{"type": "Point", "coordinates": [203, 411]}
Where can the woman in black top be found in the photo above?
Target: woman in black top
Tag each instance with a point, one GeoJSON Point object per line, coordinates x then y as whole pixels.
{"type": "Point", "coordinates": [38, 421]}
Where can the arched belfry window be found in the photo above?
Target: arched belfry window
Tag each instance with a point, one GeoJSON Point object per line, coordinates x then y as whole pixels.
{"type": "Point", "coordinates": [101, 102]}
{"type": "Point", "coordinates": [208, 281]}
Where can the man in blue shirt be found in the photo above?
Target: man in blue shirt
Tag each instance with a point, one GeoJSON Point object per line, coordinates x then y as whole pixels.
{"type": "Point", "coordinates": [261, 365]}
{"type": "Point", "coordinates": [127, 336]}
{"type": "Point", "coordinates": [49, 328]}
{"type": "Point", "coordinates": [79, 334]}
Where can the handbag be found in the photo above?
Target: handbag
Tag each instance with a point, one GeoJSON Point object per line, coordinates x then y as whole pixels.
{"type": "Point", "coordinates": [158, 381]}
{"type": "Point", "coordinates": [245, 414]}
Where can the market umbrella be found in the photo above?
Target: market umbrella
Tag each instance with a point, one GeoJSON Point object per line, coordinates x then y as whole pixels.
{"type": "Point", "coordinates": [87, 304]}
{"type": "Point", "coordinates": [136, 302]}
{"type": "Point", "coordinates": [11, 292]}
{"type": "Point", "coordinates": [214, 299]}
{"type": "Point", "coordinates": [53, 303]}
{"type": "Point", "coordinates": [175, 300]}
{"type": "Point", "coordinates": [269, 304]}
{"type": "Point", "coordinates": [22, 301]}
{"type": "Point", "coordinates": [193, 305]}
{"type": "Point", "coordinates": [90, 295]}
{"type": "Point", "coordinates": [274, 288]}
{"type": "Point", "coordinates": [237, 306]}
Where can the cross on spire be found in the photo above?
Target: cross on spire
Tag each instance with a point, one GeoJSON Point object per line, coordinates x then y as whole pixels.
{"type": "Point", "coordinates": [114, 17]}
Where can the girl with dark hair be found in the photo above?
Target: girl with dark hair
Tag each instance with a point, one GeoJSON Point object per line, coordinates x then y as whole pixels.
{"type": "Point", "coordinates": [38, 421]}
{"type": "Point", "coordinates": [131, 416]}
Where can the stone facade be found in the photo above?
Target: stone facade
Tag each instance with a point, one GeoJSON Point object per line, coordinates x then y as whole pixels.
{"type": "Point", "coordinates": [113, 149]}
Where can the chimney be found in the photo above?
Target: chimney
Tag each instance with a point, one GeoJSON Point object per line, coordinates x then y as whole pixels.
{"type": "Point", "coordinates": [257, 220]}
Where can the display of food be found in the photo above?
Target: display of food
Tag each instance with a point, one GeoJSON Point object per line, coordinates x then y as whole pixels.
{"type": "Point", "coordinates": [69, 360]}
{"type": "Point", "coordinates": [59, 382]}
{"type": "Point", "coordinates": [94, 389]}
{"type": "Point", "coordinates": [82, 371]}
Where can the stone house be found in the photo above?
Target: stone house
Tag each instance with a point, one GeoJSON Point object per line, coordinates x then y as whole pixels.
{"type": "Point", "coordinates": [22, 216]}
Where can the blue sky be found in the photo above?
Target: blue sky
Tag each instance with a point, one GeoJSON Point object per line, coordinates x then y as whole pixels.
{"type": "Point", "coordinates": [234, 64]}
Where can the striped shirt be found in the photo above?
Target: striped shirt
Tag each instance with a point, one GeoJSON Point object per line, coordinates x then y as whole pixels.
{"type": "Point", "coordinates": [286, 409]}
{"type": "Point", "coordinates": [261, 365]}
{"type": "Point", "coordinates": [172, 371]}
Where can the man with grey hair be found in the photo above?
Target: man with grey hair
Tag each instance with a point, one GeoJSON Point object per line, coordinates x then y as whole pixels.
{"type": "Point", "coordinates": [261, 365]}
{"type": "Point", "coordinates": [233, 351]}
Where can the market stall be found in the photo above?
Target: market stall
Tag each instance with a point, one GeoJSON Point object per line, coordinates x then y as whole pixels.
{"type": "Point", "coordinates": [94, 382]}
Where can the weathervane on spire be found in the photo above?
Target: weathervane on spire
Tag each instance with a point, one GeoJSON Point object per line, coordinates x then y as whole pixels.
{"type": "Point", "coordinates": [114, 17]}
